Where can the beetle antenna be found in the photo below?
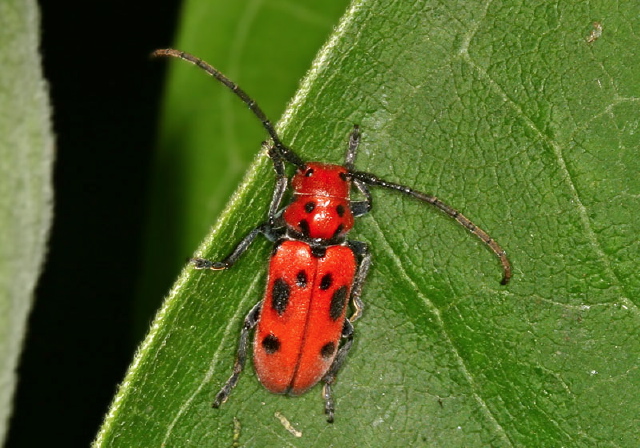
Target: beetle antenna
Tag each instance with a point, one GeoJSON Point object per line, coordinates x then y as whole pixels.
{"type": "Point", "coordinates": [283, 151]}
{"type": "Point", "coordinates": [455, 214]}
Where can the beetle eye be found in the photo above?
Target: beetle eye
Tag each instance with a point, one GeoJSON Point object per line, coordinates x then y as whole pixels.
{"type": "Point", "coordinates": [309, 172]}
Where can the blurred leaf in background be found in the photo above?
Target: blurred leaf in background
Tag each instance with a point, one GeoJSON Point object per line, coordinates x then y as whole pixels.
{"type": "Point", "coordinates": [26, 195]}
{"type": "Point", "coordinates": [511, 113]}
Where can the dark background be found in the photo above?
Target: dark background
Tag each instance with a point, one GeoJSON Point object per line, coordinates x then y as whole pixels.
{"type": "Point", "coordinates": [105, 95]}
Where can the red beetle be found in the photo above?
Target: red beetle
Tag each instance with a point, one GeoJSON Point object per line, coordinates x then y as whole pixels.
{"type": "Point", "coordinates": [303, 335]}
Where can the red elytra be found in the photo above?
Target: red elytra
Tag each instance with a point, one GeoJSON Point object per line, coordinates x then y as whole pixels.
{"type": "Point", "coordinates": [302, 334]}
{"type": "Point", "coordinates": [303, 316]}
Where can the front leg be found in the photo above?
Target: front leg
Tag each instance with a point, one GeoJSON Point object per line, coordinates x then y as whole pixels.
{"type": "Point", "coordinates": [266, 229]}
{"type": "Point", "coordinates": [281, 182]}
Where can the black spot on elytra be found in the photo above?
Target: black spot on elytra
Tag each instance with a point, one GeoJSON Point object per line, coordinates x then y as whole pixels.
{"type": "Point", "coordinates": [340, 210]}
{"type": "Point", "coordinates": [280, 293]}
{"type": "Point", "coordinates": [326, 282]}
{"type": "Point", "coordinates": [304, 227]}
{"type": "Point", "coordinates": [318, 251]}
{"type": "Point", "coordinates": [309, 172]}
{"type": "Point", "coordinates": [309, 206]}
{"type": "Point", "coordinates": [302, 279]}
{"type": "Point", "coordinates": [328, 350]}
{"type": "Point", "coordinates": [338, 302]}
{"type": "Point", "coordinates": [271, 344]}
{"type": "Point", "coordinates": [343, 176]}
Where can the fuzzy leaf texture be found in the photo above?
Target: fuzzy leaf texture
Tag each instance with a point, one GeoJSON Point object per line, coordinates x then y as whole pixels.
{"type": "Point", "coordinates": [522, 115]}
{"type": "Point", "coordinates": [26, 193]}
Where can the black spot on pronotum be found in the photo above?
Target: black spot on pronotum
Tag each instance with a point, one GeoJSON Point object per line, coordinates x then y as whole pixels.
{"type": "Point", "coordinates": [309, 206]}
{"type": "Point", "coordinates": [318, 251]}
{"type": "Point", "coordinates": [338, 302]}
{"type": "Point", "coordinates": [328, 350]}
{"type": "Point", "coordinates": [302, 279]}
{"type": "Point", "coordinates": [340, 210]}
{"type": "Point", "coordinates": [280, 293]}
{"type": "Point", "coordinates": [304, 227]}
{"type": "Point", "coordinates": [326, 282]}
{"type": "Point", "coordinates": [271, 344]}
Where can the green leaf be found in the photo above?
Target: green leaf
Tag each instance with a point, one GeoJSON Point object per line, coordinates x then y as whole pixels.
{"type": "Point", "coordinates": [507, 112]}
{"type": "Point", "coordinates": [26, 159]}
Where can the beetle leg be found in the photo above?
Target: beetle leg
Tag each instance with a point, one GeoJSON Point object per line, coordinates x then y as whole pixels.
{"type": "Point", "coordinates": [354, 141]}
{"type": "Point", "coordinates": [249, 323]}
{"type": "Point", "coordinates": [281, 182]}
{"type": "Point", "coordinates": [361, 250]}
{"type": "Point", "coordinates": [266, 229]}
{"type": "Point", "coordinates": [330, 377]}
{"type": "Point", "coordinates": [358, 208]}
